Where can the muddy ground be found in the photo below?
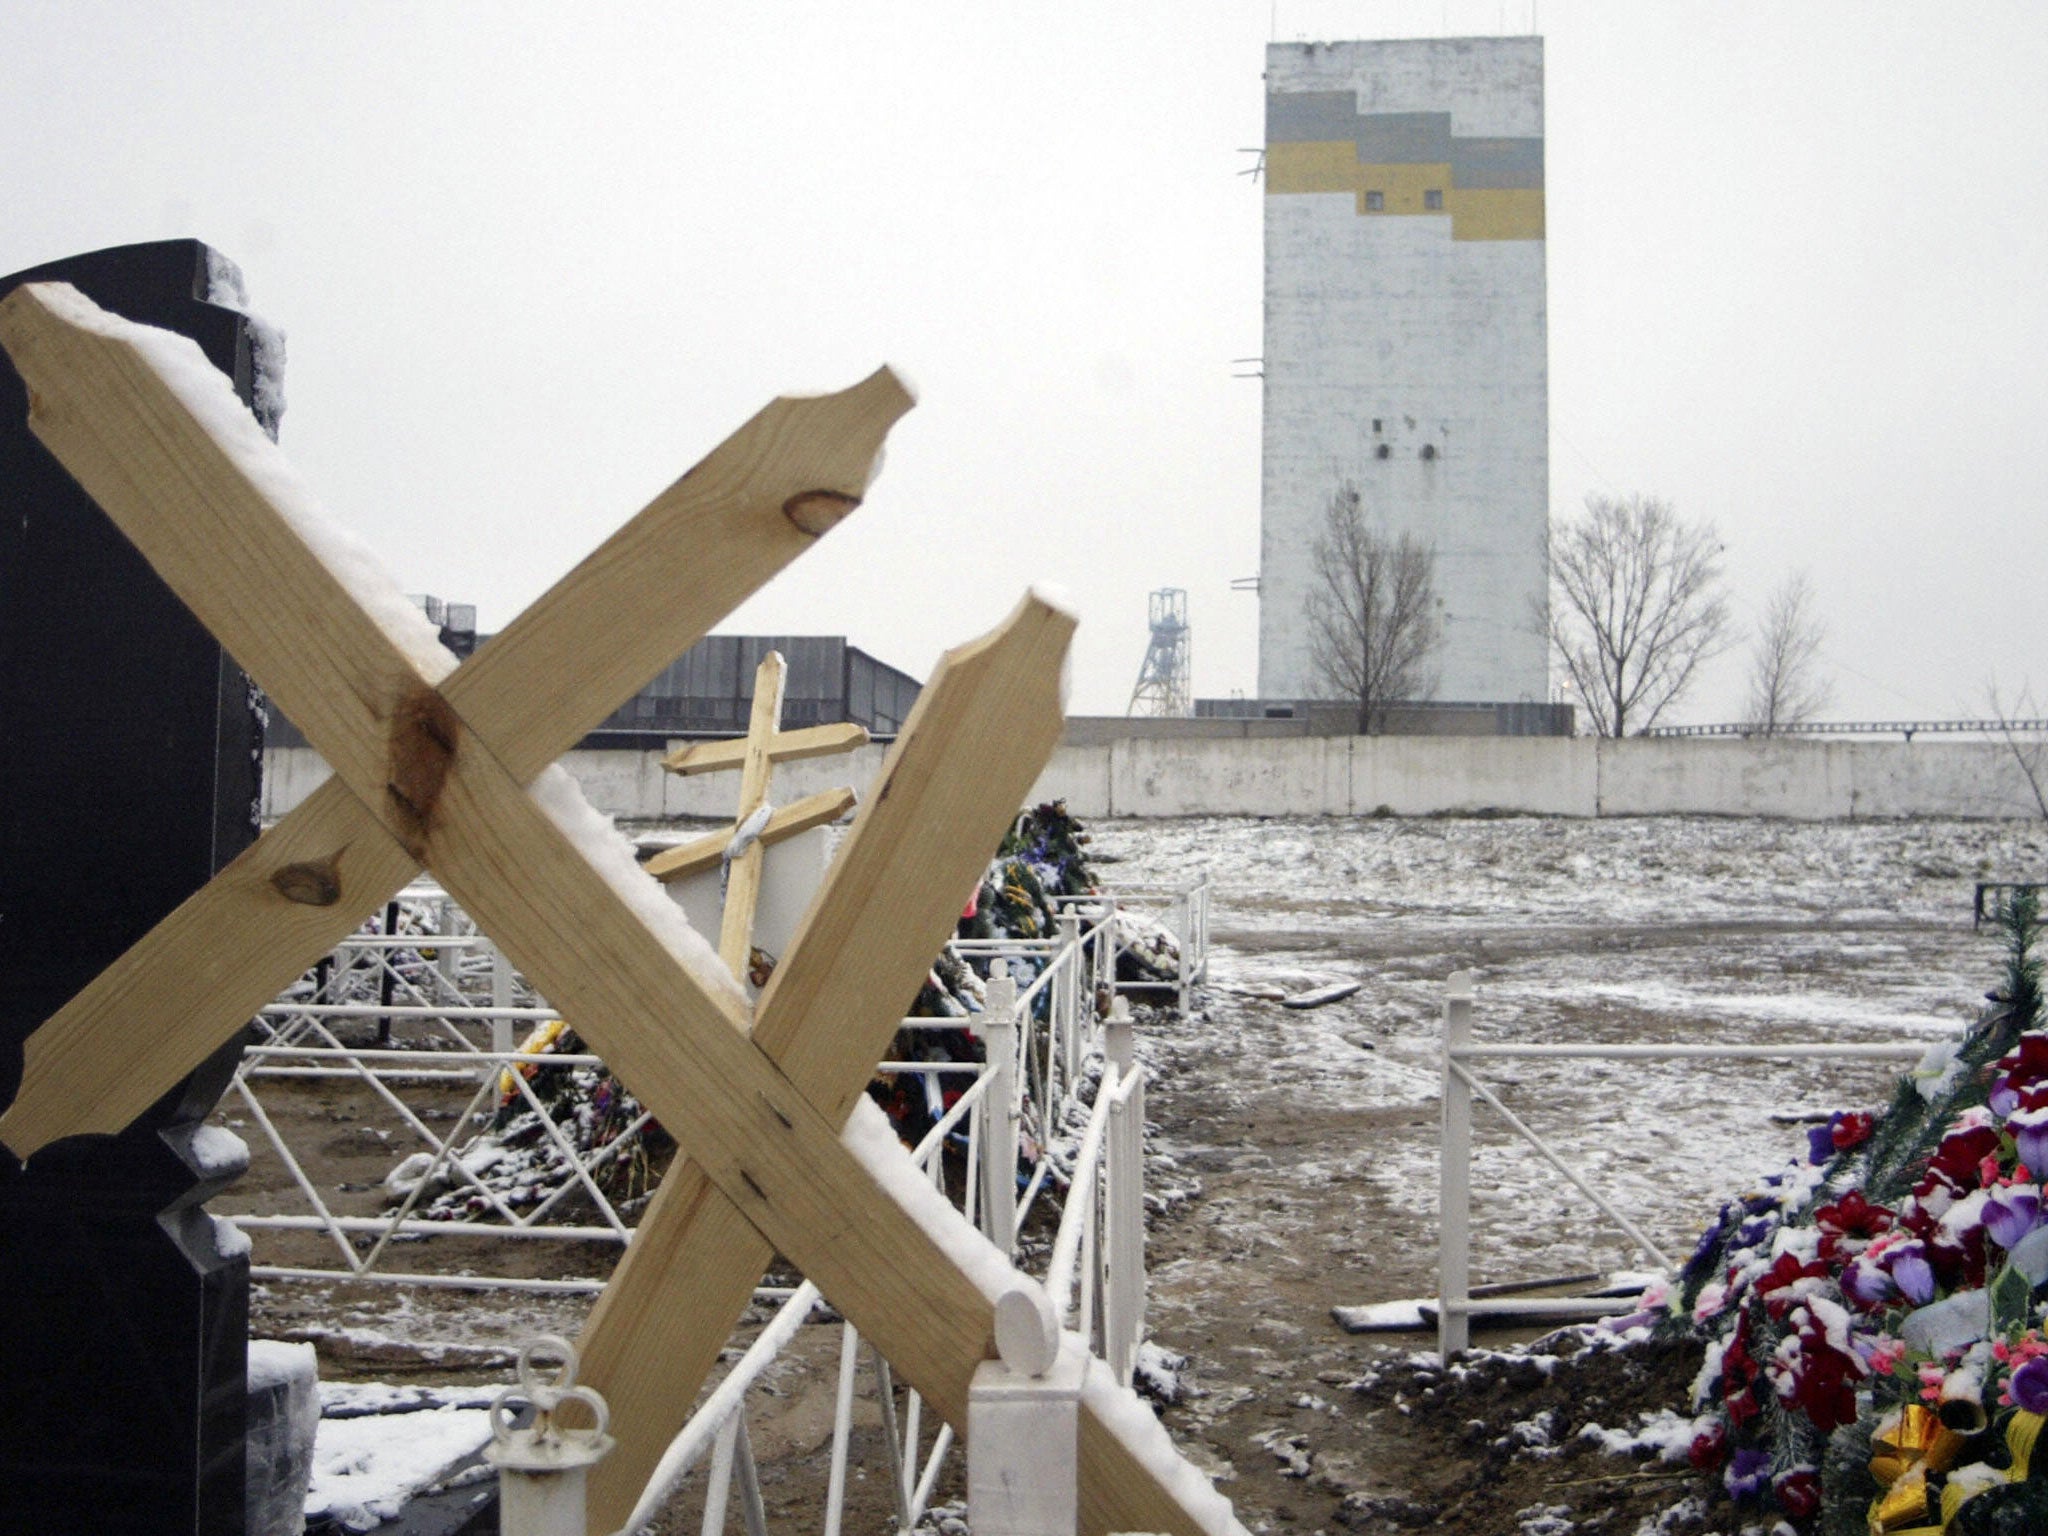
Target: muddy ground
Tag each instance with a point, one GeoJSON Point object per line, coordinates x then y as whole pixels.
{"type": "Point", "coordinates": [1294, 1153]}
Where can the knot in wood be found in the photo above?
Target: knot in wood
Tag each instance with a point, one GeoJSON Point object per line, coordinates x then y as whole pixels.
{"type": "Point", "coordinates": [424, 731]}
{"type": "Point", "coordinates": [311, 883]}
{"type": "Point", "coordinates": [819, 512]}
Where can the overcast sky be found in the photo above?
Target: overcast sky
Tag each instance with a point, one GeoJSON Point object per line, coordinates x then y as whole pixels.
{"type": "Point", "coordinates": [534, 260]}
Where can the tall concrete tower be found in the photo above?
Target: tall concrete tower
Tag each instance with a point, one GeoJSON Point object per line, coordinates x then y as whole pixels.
{"type": "Point", "coordinates": [1405, 344]}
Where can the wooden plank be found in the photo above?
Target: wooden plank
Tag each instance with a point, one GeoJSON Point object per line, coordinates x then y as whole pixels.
{"type": "Point", "coordinates": [156, 436]}
{"type": "Point", "coordinates": [220, 958]}
{"type": "Point", "coordinates": [727, 520]}
{"type": "Point", "coordinates": [743, 872]}
{"type": "Point", "coordinates": [962, 768]}
{"type": "Point", "coordinates": [658, 585]}
{"type": "Point", "coordinates": [981, 730]}
{"type": "Point", "coordinates": [702, 853]}
{"type": "Point", "coordinates": [672, 1024]}
{"type": "Point", "coordinates": [789, 747]}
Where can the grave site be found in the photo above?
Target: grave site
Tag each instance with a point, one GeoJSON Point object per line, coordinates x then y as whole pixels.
{"type": "Point", "coordinates": [1198, 1176]}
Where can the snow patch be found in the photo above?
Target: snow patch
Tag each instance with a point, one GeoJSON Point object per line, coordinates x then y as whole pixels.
{"type": "Point", "coordinates": [1124, 1415]}
{"type": "Point", "coordinates": [366, 1469]}
{"type": "Point", "coordinates": [872, 1140]}
{"type": "Point", "coordinates": [610, 853]}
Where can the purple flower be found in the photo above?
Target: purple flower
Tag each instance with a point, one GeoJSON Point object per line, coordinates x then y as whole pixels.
{"type": "Point", "coordinates": [2029, 1129]}
{"type": "Point", "coordinates": [2011, 1212]}
{"type": "Point", "coordinates": [1753, 1232]}
{"type": "Point", "coordinates": [1865, 1283]}
{"type": "Point", "coordinates": [1820, 1143]}
{"type": "Point", "coordinates": [1747, 1473]}
{"type": "Point", "coordinates": [2029, 1385]}
{"type": "Point", "coordinates": [1910, 1271]}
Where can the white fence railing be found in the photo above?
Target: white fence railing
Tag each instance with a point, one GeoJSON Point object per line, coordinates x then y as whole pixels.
{"type": "Point", "coordinates": [421, 1014]}
{"type": "Point", "coordinates": [1456, 1306]}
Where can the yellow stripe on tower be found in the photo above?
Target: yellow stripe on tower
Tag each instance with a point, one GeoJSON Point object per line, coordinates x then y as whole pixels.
{"type": "Point", "coordinates": [1476, 213]}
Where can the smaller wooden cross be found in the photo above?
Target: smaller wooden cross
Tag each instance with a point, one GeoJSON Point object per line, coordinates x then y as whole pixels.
{"type": "Point", "coordinates": [756, 824]}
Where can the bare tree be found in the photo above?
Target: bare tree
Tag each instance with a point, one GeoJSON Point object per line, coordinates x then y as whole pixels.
{"type": "Point", "coordinates": [1372, 613]}
{"type": "Point", "coordinates": [1785, 688]}
{"type": "Point", "coordinates": [1635, 607]}
{"type": "Point", "coordinates": [2021, 732]}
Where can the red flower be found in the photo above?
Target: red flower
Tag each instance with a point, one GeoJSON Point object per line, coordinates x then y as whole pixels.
{"type": "Point", "coordinates": [1780, 1286]}
{"type": "Point", "coordinates": [1960, 1156]}
{"type": "Point", "coordinates": [1851, 1128]}
{"type": "Point", "coordinates": [1709, 1447]}
{"type": "Point", "coordinates": [1739, 1372]}
{"type": "Point", "coordinates": [1798, 1491]}
{"type": "Point", "coordinates": [2020, 1072]}
{"type": "Point", "coordinates": [1825, 1388]}
{"type": "Point", "coordinates": [1848, 1225]}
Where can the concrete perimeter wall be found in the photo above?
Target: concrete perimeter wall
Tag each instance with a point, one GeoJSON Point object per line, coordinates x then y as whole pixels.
{"type": "Point", "coordinates": [1357, 775]}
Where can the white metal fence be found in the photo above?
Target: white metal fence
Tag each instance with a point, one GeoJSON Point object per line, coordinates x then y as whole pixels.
{"type": "Point", "coordinates": [1456, 1306]}
{"type": "Point", "coordinates": [421, 1014]}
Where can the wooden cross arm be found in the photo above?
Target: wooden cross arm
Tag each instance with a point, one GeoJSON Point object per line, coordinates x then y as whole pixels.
{"type": "Point", "coordinates": [702, 853]}
{"type": "Point", "coordinates": [725, 526]}
{"type": "Point", "coordinates": [787, 747]}
{"type": "Point", "coordinates": [949, 788]}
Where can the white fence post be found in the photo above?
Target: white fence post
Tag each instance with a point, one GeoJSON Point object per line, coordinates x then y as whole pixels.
{"type": "Point", "coordinates": [448, 958]}
{"type": "Point", "coordinates": [1183, 945]}
{"type": "Point", "coordinates": [1454, 1201]}
{"type": "Point", "coordinates": [1075, 1026]}
{"type": "Point", "coordinates": [1123, 1306]}
{"type": "Point", "coordinates": [1023, 1425]}
{"type": "Point", "coordinates": [999, 1112]}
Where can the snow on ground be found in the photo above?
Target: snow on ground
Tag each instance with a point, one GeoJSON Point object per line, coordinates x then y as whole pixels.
{"type": "Point", "coordinates": [1668, 929]}
{"type": "Point", "coordinates": [379, 1445]}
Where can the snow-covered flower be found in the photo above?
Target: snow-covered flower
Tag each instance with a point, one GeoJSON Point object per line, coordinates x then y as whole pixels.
{"type": "Point", "coordinates": [1907, 1265]}
{"type": "Point", "coordinates": [1797, 1489]}
{"type": "Point", "coordinates": [2029, 1129]}
{"type": "Point", "coordinates": [1712, 1298]}
{"type": "Point", "coordinates": [2023, 1069]}
{"type": "Point", "coordinates": [1815, 1368]}
{"type": "Point", "coordinates": [1865, 1282]}
{"type": "Point", "coordinates": [1748, 1470]}
{"type": "Point", "coordinates": [1788, 1282]}
{"type": "Point", "coordinates": [1958, 1163]}
{"type": "Point", "coordinates": [2011, 1212]}
{"type": "Point", "coordinates": [1847, 1225]}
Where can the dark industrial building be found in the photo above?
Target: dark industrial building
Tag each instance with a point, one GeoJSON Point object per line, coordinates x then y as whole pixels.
{"type": "Point", "coordinates": [709, 689]}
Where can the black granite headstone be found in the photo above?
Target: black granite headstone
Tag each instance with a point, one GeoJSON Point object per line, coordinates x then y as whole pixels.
{"type": "Point", "coordinates": [130, 755]}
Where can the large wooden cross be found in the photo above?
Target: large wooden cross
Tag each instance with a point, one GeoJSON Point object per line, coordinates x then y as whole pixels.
{"type": "Point", "coordinates": [447, 766]}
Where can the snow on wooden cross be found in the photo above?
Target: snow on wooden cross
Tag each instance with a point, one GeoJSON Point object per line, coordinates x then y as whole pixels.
{"type": "Point", "coordinates": [757, 825]}
{"type": "Point", "coordinates": [448, 766]}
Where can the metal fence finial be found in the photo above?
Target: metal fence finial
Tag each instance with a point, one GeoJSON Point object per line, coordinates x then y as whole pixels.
{"type": "Point", "coordinates": [542, 1467]}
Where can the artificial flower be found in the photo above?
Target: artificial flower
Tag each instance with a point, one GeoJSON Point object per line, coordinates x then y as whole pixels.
{"type": "Point", "coordinates": [2012, 1211]}
{"type": "Point", "coordinates": [2028, 1387]}
{"type": "Point", "coordinates": [1748, 1471]}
